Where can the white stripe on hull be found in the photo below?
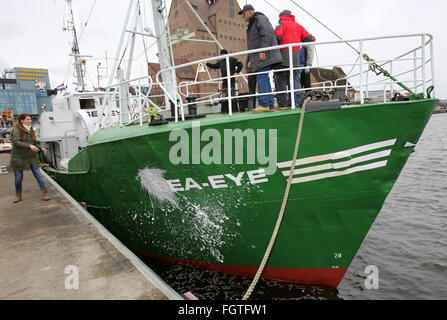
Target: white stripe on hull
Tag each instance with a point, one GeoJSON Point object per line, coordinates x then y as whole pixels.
{"type": "Point", "coordinates": [348, 166]}
{"type": "Point", "coordinates": [340, 165]}
{"type": "Point", "coordinates": [333, 174]}
{"type": "Point", "coordinates": [339, 155]}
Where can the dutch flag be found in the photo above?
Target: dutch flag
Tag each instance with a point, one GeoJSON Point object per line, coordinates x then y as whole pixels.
{"type": "Point", "coordinates": [60, 87]}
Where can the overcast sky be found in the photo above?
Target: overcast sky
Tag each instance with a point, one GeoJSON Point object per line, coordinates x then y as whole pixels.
{"type": "Point", "coordinates": [31, 31]}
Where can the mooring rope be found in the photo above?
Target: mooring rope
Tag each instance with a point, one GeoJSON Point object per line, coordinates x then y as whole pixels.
{"type": "Point", "coordinates": [283, 206]}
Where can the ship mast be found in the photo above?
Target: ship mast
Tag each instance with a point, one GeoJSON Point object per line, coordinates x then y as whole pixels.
{"type": "Point", "coordinates": [69, 25]}
{"type": "Point", "coordinates": [164, 54]}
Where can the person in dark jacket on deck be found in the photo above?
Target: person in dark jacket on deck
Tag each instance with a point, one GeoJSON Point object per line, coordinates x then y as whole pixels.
{"type": "Point", "coordinates": [260, 34]}
{"type": "Point", "coordinates": [289, 31]}
{"type": "Point", "coordinates": [235, 67]}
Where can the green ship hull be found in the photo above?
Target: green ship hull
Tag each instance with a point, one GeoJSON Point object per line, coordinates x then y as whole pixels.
{"type": "Point", "coordinates": [221, 215]}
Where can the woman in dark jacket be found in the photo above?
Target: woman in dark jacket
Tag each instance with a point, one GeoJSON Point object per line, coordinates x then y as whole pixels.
{"type": "Point", "coordinates": [24, 155]}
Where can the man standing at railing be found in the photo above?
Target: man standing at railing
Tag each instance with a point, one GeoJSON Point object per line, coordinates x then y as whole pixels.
{"type": "Point", "coordinates": [260, 34]}
{"type": "Point", "coordinates": [289, 31]}
{"type": "Point", "coordinates": [235, 67]}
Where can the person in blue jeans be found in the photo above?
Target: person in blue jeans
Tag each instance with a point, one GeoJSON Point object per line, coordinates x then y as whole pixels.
{"type": "Point", "coordinates": [264, 86]}
{"type": "Point", "coordinates": [18, 178]}
{"type": "Point", "coordinates": [24, 155]}
{"type": "Point", "coordinates": [260, 34]}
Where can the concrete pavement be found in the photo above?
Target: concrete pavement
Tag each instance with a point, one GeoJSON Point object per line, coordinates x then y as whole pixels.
{"type": "Point", "coordinates": [47, 249]}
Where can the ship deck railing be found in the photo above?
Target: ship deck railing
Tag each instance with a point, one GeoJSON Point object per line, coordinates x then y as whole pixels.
{"type": "Point", "coordinates": [414, 68]}
{"type": "Point", "coordinates": [411, 63]}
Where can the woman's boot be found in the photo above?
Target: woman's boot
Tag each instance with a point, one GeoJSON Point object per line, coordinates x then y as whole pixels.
{"type": "Point", "coordinates": [46, 197]}
{"type": "Point", "coordinates": [18, 196]}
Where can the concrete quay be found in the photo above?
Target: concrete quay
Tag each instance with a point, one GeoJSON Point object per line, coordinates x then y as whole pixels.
{"type": "Point", "coordinates": [56, 250]}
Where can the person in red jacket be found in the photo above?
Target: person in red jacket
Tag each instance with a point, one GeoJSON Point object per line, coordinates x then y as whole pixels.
{"type": "Point", "coordinates": [289, 31]}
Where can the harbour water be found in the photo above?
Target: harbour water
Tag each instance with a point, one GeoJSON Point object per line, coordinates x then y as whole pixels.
{"type": "Point", "coordinates": [407, 243]}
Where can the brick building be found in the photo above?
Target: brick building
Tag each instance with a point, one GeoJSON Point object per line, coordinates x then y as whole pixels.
{"type": "Point", "coordinates": [222, 19]}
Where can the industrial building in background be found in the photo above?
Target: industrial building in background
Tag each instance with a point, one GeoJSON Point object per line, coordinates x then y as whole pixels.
{"type": "Point", "coordinates": [200, 29]}
{"type": "Point", "coordinates": [24, 90]}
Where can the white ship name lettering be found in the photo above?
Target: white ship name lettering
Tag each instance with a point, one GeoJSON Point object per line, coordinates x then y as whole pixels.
{"type": "Point", "coordinates": [220, 181]}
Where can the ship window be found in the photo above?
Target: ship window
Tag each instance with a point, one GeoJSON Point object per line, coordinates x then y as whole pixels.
{"type": "Point", "coordinates": [87, 103]}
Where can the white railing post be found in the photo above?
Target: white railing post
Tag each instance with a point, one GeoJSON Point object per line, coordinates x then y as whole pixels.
{"type": "Point", "coordinates": [424, 84]}
{"type": "Point", "coordinates": [415, 74]}
{"type": "Point", "coordinates": [391, 81]}
{"type": "Point", "coordinates": [366, 85]}
{"type": "Point", "coordinates": [291, 78]}
{"type": "Point", "coordinates": [230, 103]}
{"type": "Point", "coordinates": [362, 97]}
{"type": "Point", "coordinates": [182, 109]}
{"type": "Point", "coordinates": [432, 57]}
{"type": "Point", "coordinates": [175, 96]}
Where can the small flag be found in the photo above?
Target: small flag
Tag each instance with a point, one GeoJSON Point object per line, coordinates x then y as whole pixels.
{"type": "Point", "coordinates": [60, 87]}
